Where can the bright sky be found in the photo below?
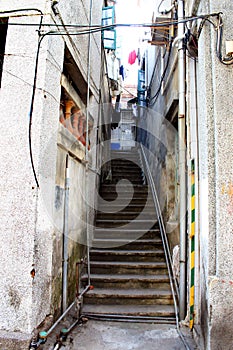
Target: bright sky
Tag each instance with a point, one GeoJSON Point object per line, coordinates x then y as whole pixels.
{"type": "Point", "coordinates": [132, 12]}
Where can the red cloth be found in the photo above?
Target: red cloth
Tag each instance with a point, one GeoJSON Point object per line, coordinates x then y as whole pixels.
{"type": "Point", "coordinates": [132, 57]}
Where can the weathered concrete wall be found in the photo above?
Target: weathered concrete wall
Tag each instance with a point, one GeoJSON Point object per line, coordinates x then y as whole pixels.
{"type": "Point", "coordinates": [161, 122]}
{"type": "Point", "coordinates": [215, 170]}
{"type": "Point", "coordinates": [209, 142]}
{"type": "Point", "coordinates": [31, 223]}
{"type": "Point", "coordinates": [79, 13]}
{"type": "Point", "coordinates": [25, 230]}
{"type": "Point", "coordinates": [76, 216]}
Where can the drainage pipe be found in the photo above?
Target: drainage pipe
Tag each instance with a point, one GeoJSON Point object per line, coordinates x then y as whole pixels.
{"type": "Point", "coordinates": [182, 159]}
{"type": "Point", "coordinates": [65, 237]}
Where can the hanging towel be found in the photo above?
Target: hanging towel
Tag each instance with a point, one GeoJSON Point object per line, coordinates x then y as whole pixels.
{"type": "Point", "coordinates": [122, 72]}
{"type": "Point", "coordinates": [132, 57]}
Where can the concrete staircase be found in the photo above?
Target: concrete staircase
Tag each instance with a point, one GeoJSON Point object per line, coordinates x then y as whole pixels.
{"type": "Point", "coordinates": [128, 268]}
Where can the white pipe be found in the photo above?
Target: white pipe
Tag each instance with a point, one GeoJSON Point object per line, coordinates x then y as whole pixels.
{"type": "Point", "coordinates": [60, 318]}
{"type": "Point", "coordinates": [87, 143]}
{"type": "Point", "coordinates": [66, 311]}
{"type": "Point", "coordinates": [182, 160]}
{"type": "Point", "coordinates": [65, 238]}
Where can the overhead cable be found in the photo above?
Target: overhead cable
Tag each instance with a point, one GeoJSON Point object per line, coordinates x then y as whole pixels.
{"type": "Point", "coordinates": [156, 95]}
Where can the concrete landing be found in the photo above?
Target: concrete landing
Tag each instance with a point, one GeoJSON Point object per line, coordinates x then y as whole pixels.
{"type": "Point", "coordinates": [99, 335]}
{"type": "Point", "coordinates": [96, 335]}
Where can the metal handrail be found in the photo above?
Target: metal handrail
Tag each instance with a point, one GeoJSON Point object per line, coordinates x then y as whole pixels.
{"type": "Point", "coordinates": [160, 220]}
{"type": "Point", "coordinates": [173, 282]}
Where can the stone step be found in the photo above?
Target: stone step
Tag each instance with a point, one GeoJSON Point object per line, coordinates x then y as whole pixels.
{"type": "Point", "coordinates": [127, 244]}
{"type": "Point", "coordinates": [126, 170]}
{"type": "Point", "coordinates": [135, 197]}
{"type": "Point", "coordinates": [134, 224]}
{"type": "Point", "coordinates": [128, 281]}
{"type": "Point", "coordinates": [125, 203]}
{"type": "Point", "coordinates": [127, 260]}
{"type": "Point", "coordinates": [145, 215]}
{"type": "Point", "coordinates": [166, 311]}
{"type": "Point", "coordinates": [131, 208]}
{"type": "Point", "coordinates": [124, 153]}
{"type": "Point", "coordinates": [125, 199]}
{"type": "Point", "coordinates": [128, 296]}
{"type": "Point", "coordinates": [124, 165]}
{"type": "Point", "coordinates": [127, 255]}
{"type": "Point", "coordinates": [129, 234]}
{"type": "Point", "coordinates": [124, 188]}
{"type": "Point", "coordinates": [137, 268]}
{"type": "Point", "coordinates": [133, 180]}
{"type": "Point", "coordinates": [125, 160]}
{"type": "Point", "coordinates": [126, 175]}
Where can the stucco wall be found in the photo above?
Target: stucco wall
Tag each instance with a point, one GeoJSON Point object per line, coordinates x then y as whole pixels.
{"type": "Point", "coordinates": [215, 154]}
{"type": "Point", "coordinates": [25, 228]}
{"type": "Point", "coordinates": [161, 140]}
{"type": "Point", "coordinates": [209, 141]}
{"type": "Point", "coordinates": [30, 240]}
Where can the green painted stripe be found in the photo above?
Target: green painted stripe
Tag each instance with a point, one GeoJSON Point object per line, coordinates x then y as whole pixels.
{"type": "Point", "coordinates": [193, 189]}
{"type": "Point", "coordinates": [191, 311]}
{"type": "Point", "coordinates": [192, 244]}
{"type": "Point", "coordinates": [192, 276]}
{"type": "Point", "coordinates": [193, 215]}
{"type": "Point", "coordinates": [192, 165]}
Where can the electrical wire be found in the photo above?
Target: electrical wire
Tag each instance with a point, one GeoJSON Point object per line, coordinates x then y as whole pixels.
{"type": "Point", "coordinates": [156, 95]}
{"type": "Point", "coordinates": [165, 11]}
{"type": "Point", "coordinates": [160, 5]}
{"type": "Point", "coordinates": [22, 10]}
{"type": "Point", "coordinates": [112, 26]}
{"type": "Point", "coordinates": [34, 83]}
{"type": "Point", "coordinates": [91, 29]}
{"type": "Point", "coordinates": [226, 60]}
{"type": "Point", "coordinates": [155, 66]}
{"type": "Point", "coordinates": [186, 41]}
{"type": "Point", "coordinates": [32, 105]}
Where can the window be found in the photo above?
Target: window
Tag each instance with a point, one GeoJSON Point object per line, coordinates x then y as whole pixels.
{"type": "Point", "coordinates": [109, 35]}
{"type": "Point", "coordinates": [3, 32]}
{"type": "Point", "coordinates": [141, 88]}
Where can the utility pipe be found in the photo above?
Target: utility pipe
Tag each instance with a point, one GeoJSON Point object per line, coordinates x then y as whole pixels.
{"type": "Point", "coordinates": [65, 238]}
{"type": "Point", "coordinates": [182, 160]}
{"type": "Point", "coordinates": [87, 144]}
{"type": "Point", "coordinates": [43, 335]}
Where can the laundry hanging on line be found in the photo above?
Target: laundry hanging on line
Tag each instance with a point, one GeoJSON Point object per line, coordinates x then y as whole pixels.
{"type": "Point", "coordinates": [132, 57]}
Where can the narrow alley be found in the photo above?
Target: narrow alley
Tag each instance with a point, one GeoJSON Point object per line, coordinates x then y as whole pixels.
{"type": "Point", "coordinates": [116, 182]}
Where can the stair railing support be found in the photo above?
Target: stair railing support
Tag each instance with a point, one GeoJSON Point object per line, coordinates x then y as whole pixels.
{"type": "Point", "coordinates": [173, 282]}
